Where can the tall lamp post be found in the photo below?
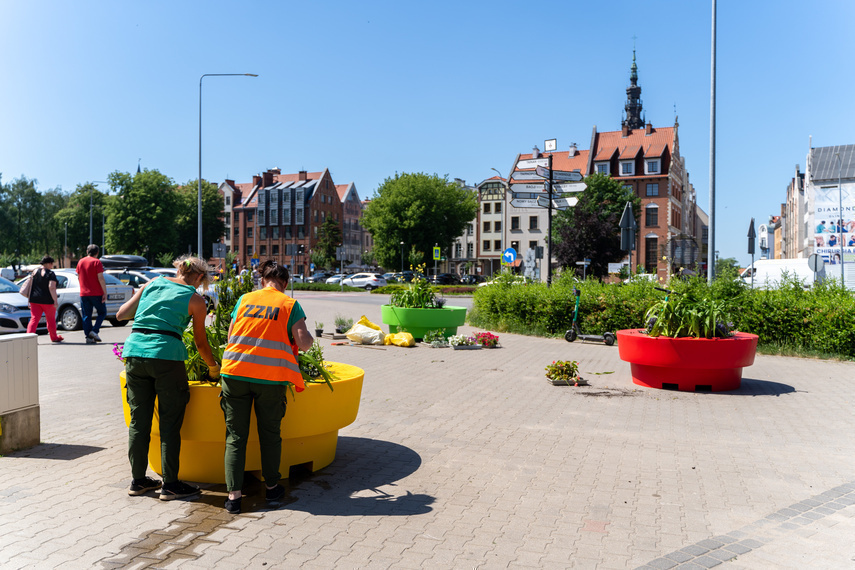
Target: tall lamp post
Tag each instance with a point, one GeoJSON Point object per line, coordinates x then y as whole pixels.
{"type": "Point", "coordinates": [199, 212]}
{"type": "Point", "coordinates": [840, 214]}
{"type": "Point", "coordinates": [402, 257]}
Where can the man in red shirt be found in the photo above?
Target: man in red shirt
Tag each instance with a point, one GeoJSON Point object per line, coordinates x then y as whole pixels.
{"type": "Point", "coordinates": [93, 292]}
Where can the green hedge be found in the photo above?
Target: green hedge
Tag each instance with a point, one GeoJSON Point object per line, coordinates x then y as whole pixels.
{"type": "Point", "coordinates": [820, 320]}
{"type": "Point", "coordinates": [322, 287]}
{"type": "Point", "coordinates": [438, 289]}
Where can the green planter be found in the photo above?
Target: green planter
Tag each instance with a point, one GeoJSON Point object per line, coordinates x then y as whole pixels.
{"type": "Point", "coordinates": [417, 322]}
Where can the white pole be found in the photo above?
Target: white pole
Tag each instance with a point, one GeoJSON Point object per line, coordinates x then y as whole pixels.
{"type": "Point", "coordinates": [711, 240]}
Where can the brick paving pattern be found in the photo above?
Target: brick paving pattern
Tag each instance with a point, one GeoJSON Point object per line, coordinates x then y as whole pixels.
{"type": "Point", "coordinates": [464, 459]}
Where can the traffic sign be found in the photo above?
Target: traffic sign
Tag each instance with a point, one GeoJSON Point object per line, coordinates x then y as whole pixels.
{"type": "Point", "coordinates": [528, 175]}
{"type": "Point", "coordinates": [253, 262]}
{"type": "Point", "coordinates": [557, 203]}
{"type": "Point", "coordinates": [572, 176]}
{"type": "Point", "coordinates": [528, 187]}
{"type": "Point", "coordinates": [570, 187]}
{"type": "Point", "coordinates": [543, 201]}
{"type": "Point", "coordinates": [509, 255]}
{"type": "Point", "coordinates": [524, 203]}
{"type": "Point", "coordinates": [436, 254]}
{"type": "Point", "coordinates": [816, 262]}
{"type": "Point", "coordinates": [533, 162]}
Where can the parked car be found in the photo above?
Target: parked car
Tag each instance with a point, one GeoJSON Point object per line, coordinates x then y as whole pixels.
{"type": "Point", "coordinates": [168, 271]}
{"type": "Point", "coordinates": [123, 261]}
{"type": "Point", "coordinates": [68, 316]}
{"type": "Point", "coordinates": [14, 310]}
{"type": "Point", "coordinates": [368, 281]}
{"type": "Point", "coordinates": [334, 279]}
{"type": "Point", "coordinates": [472, 279]}
{"type": "Point", "coordinates": [319, 277]}
{"type": "Point", "coordinates": [443, 279]}
{"type": "Point", "coordinates": [390, 277]}
{"type": "Point", "coordinates": [137, 278]}
{"type": "Point", "coordinates": [297, 278]}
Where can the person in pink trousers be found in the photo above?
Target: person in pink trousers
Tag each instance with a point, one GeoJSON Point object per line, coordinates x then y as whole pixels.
{"type": "Point", "coordinates": [43, 298]}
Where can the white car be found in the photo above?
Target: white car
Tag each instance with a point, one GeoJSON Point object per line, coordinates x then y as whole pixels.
{"type": "Point", "coordinates": [68, 316]}
{"type": "Point", "coordinates": [368, 281]}
{"type": "Point", "coordinates": [136, 278]}
{"type": "Point", "coordinates": [335, 279]}
{"type": "Point", "coordinates": [297, 278]}
{"type": "Point", "coordinates": [14, 310]}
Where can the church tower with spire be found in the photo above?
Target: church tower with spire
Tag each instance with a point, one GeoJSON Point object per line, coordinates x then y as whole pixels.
{"type": "Point", "coordinates": [633, 119]}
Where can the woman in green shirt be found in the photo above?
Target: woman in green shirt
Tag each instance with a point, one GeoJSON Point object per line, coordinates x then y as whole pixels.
{"type": "Point", "coordinates": [154, 356]}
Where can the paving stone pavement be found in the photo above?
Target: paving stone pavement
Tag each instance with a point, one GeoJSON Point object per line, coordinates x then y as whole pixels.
{"type": "Point", "coordinates": [466, 459]}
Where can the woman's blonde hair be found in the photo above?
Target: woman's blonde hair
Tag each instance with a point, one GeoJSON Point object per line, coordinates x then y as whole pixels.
{"type": "Point", "coordinates": [189, 265]}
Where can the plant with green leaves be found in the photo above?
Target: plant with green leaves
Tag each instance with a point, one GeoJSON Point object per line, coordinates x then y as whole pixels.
{"type": "Point", "coordinates": [564, 372]}
{"type": "Point", "coordinates": [435, 338]}
{"type": "Point", "coordinates": [691, 314]}
{"type": "Point", "coordinates": [418, 295]}
{"type": "Point", "coordinates": [343, 323]}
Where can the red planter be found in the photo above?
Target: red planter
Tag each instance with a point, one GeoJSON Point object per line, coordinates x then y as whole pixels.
{"type": "Point", "coordinates": [687, 364]}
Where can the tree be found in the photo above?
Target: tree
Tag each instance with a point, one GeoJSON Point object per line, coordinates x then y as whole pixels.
{"type": "Point", "coordinates": [590, 229]}
{"type": "Point", "coordinates": [726, 267]}
{"type": "Point", "coordinates": [329, 238]}
{"type": "Point", "coordinates": [187, 217]}
{"type": "Point", "coordinates": [23, 213]}
{"type": "Point", "coordinates": [420, 210]}
{"type": "Point", "coordinates": [142, 213]}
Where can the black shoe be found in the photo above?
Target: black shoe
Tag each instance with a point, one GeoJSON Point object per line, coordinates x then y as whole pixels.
{"type": "Point", "coordinates": [275, 494]}
{"type": "Point", "coordinates": [142, 486]}
{"type": "Point", "coordinates": [177, 490]}
{"type": "Point", "coordinates": [233, 506]}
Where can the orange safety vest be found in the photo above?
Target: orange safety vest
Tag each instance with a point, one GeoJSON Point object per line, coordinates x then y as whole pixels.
{"type": "Point", "coordinates": [259, 346]}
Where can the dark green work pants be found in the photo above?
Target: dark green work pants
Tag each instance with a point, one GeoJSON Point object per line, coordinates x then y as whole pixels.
{"type": "Point", "coordinates": [166, 380]}
{"type": "Point", "coordinates": [237, 402]}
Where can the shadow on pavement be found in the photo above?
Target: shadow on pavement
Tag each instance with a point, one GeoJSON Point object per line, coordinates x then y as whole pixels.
{"type": "Point", "coordinates": [753, 387]}
{"type": "Point", "coordinates": [61, 451]}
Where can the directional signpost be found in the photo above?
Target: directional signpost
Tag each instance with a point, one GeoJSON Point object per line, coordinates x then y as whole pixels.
{"type": "Point", "coordinates": [524, 203]}
{"type": "Point", "coordinates": [569, 187]}
{"type": "Point", "coordinates": [571, 176]}
{"type": "Point", "coordinates": [530, 187]}
{"type": "Point", "coordinates": [528, 175]}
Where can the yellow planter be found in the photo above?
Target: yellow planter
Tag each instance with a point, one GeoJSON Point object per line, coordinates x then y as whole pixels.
{"type": "Point", "coordinates": [309, 430]}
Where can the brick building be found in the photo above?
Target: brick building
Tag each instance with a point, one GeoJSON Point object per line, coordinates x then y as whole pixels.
{"type": "Point", "coordinates": [276, 213]}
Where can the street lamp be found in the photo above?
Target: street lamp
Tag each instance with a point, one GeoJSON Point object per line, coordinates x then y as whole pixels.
{"type": "Point", "coordinates": [402, 257]}
{"type": "Point", "coordinates": [840, 214]}
{"type": "Point", "coordinates": [199, 212]}
{"type": "Point", "coordinates": [504, 211]}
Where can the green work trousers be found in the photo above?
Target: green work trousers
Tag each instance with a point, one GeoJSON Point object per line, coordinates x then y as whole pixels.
{"type": "Point", "coordinates": [237, 401]}
{"type": "Point", "coordinates": [165, 380]}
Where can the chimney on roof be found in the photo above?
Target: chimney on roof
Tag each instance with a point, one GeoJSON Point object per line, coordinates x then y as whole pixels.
{"type": "Point", "coordinates": [230, 182]}
{"type": "Point", "coordinates": [302, 175]}
{"type": "Point", "coordinates": [267, 179]}
{"type": "Point", "coordinates": [625, 130]}
{"type": "Point", "coordinates": [572, 150]}
{"type": "Point", "coordinates": [648, 128]}
{"type": "Point", "coordinates": [535, 152]}
{"type": "Point", "coordinates": [276, 170]}
{"type": "Point", "coordinates": [256, 180]}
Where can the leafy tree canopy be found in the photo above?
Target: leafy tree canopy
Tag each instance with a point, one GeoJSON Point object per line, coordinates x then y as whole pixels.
{"type": "Point", "coordinates": [329, 238]}
{"type": "Point", "coordinates": [420, 210]}
{"type": "Point", "coordinates": [142, 213]}
{"type": "Point", "coordinates": [187, 217]}
{"type": "Point", "coordinates": [590, 229]}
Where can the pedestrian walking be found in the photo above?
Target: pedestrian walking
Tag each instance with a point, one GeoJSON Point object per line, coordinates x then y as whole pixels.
{"type": "Point", "coordinates": [43, 299]}
{"type": "Point", "coordinates": [93, 293]}
{"type": "Point", "coordinates": [267, 329]}
{"type": "Point", "coordinates": [154, 356]}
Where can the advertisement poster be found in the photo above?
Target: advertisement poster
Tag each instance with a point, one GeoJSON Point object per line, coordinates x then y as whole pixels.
{"type": "Point", "coordinates": [831, 223]}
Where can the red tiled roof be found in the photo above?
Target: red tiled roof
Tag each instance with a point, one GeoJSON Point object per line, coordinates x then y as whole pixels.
{"type": "Point", "coordinates": [654, 150]}
{"type": "Point", "coordinates": [606, 153]}
{"type": "Point", "coordinates": [614, 139]}
{"type": "Point", "coordinates": [295, 177]}
{"type": "Point", "coordinates": [562, 161]}
{"type": "Point", "coordinates": [342, 191]}
{"type": "Point", "coordinates": [629, 152]}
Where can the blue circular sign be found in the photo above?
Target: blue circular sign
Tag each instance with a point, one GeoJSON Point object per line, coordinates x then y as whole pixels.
{"type": "Point", "coordinates": [509, 255]}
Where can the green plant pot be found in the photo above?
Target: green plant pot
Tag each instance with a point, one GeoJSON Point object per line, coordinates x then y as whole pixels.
{"type": "Point", "coordinates": [418, 322]}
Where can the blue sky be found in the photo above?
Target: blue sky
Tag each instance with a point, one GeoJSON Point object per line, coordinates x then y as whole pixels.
{"type": "Point", "coordinates": [370, 88]}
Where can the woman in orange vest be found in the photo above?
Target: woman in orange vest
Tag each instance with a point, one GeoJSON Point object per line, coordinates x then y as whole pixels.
{"type": "Point", "coordinates": [267, 329]}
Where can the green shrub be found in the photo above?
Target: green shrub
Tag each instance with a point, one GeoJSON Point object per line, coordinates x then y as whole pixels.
{"type": "Point", "coordinates": [321, 287]}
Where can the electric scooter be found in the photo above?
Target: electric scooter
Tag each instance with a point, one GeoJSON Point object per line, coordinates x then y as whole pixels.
{"type": "Point", "coordinates": [574, 333]}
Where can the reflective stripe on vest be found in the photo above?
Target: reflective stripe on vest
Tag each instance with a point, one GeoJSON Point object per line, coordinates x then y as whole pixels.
{"type": "Point", "coordinates": [259, 346]}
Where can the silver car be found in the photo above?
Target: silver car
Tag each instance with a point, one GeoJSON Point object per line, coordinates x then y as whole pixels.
{"type": "Point", "coordinates": [14, 310]}
{"type": "Point", "coordinates": [68, 316]}
{"type": "Point", "coordinates": [368, 281]}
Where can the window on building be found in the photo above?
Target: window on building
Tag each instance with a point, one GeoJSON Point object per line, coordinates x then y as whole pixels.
{"type": "Point", "coordinates": [603, 168]}
{"type": "Point", "coordinates": [653, 189]}
{"type": "Point", "coordinates": [469, 229]}
{"type": "Point", "coordinates": [237, 233]}
{"type": "Point", "coordinates": [470, 250]}
{"type": "Point", "coordinates": [458, 250]}
{"type": "Point", "coordinates": [228, 218]}
{"type": "Point", "coordinates": [497, 244]}
{"type": "Point", "coordinates": [249, 216]}
{"type": "Point", "coordinates": [516, 246]}
{"type": "Point", "coordinates": [262, 250]}
{"type": "Point", "coordinates": [262, 232]}
{"type": "Point", "coordinates": [228, 200]}
{"type": "Point", "coordinates": [316, 232]}
{"type": "Point", "coordinates": [486, 207]}
{"type": "Point", "coordinates": [237, 216]}
{"type": "Point", "coordinates": [249, 232]}
{"type": "Point", "coordinates": [653, 166]}
{"type": "Point", "coordinates": [287, 232]}
{"type": "Point", "coordinates": [627, 168]}
{"type": "Point", "coordinates": [249, 250]}
{"type": "Point", "coordinates": [316, 216]}
{"type": "Point", "coordinates": [532, 222]}
{"type": "Point", "coordinates": [650, 255]}
{"type": "Point", "coordinates": [627, 187]}
{"type": "Point", "coordinates": [651, 215]}
{"type": "Point", "coordinates": [486, 227]}
{"type": "Point", "coordinates": [275, 248]}
{"type": "Point", "coordinates": [515, 223]}
{"type": "Point", "coordinates": [497, 208]}
{"type": "Point", "coordinates": [497, 226]}
{"type": "Point", "coordinates": [274, 232]}
{"type": "Point", "coordinates": [532, 244]}
{"type": "Point", "coordinates": [486, 245]}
